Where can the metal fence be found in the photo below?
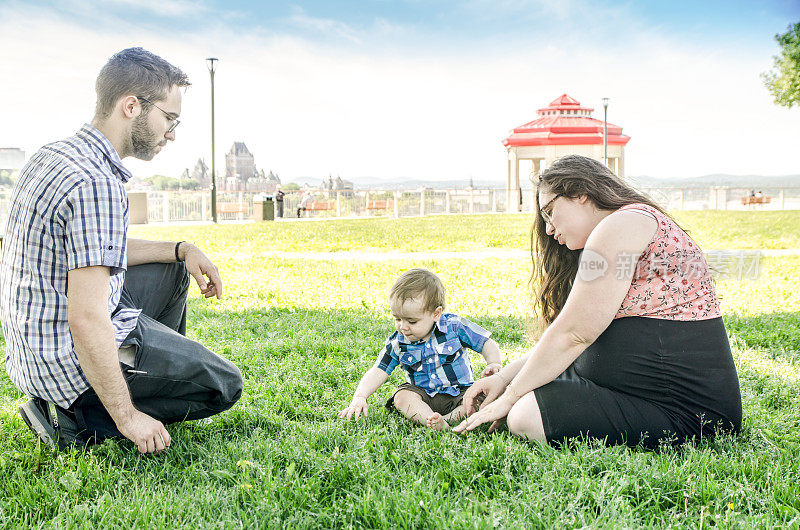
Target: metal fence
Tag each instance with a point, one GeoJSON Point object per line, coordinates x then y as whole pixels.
{"type": "Point", "coordinates": [238, 206]}
{"type": "Point", "coordinates": [725, 198]}
{"type": "Point", "coordinates": [188, 206]}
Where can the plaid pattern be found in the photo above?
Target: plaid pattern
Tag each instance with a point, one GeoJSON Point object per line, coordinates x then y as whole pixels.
{"type": "Point", "coordinates": [68, 210]}
{"type": "Point", "coordinates": [440, 364]}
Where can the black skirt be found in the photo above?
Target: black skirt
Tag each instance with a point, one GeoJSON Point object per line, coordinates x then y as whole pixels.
{"type": "Point", "coordinates": [648, 381]}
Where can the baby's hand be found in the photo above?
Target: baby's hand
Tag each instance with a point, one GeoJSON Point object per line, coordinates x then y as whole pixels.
{"type": "Point", "coordinates": [357, 407]}
{"type": "Point", "coordinates": [491, 368]}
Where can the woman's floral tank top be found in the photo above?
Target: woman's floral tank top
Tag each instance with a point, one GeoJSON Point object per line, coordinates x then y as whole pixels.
{"type": "Point", "coordinates": [671, 278]}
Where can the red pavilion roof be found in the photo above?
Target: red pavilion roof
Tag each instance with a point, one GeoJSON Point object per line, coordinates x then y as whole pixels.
{"type": "Point", "coordinates": [565, 122]}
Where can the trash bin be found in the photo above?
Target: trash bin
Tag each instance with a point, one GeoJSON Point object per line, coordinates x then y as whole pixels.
{"type": "Point", "coordinates": [264, 209]}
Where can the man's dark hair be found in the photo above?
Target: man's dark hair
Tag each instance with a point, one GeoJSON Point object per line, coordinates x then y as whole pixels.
{"type": "Point", "coordinates": [135, 72]}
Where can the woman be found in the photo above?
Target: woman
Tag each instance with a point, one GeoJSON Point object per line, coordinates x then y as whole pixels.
{"type": "Point", "coordinates": [634, 349]}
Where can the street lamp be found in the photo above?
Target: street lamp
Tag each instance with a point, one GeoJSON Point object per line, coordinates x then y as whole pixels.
{"type": "Point", "coordinates": [211, 63]}
{"type": "Point", "coordinates": [605, 131]}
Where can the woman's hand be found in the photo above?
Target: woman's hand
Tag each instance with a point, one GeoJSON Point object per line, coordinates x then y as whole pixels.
{"type": "Point", "coordinates": [357, 407]}
{"type": "Point", "coordinates": [494, 412]}
{"type": "Point", "coordinates": [483, 392]}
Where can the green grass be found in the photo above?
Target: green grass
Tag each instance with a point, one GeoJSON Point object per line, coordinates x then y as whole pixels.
{"type": "Point", "coordinates": [713, 230]}
{"type": "Point", "coordinates": [303, 332]}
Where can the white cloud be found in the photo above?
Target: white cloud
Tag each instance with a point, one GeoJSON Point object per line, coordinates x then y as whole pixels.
{"type": "Point", "coordinates": [166, 8]}
{"type": "Point", "coordinates": [544, 11]}
{"type": "Point", "coordinates": [322, 26]}
{"type": "Point", "coordinates": [309, 109]}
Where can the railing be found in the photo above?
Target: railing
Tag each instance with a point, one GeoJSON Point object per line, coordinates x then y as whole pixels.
{"type": "Point", "coordinates": [187, 206]}
{"type": "Point", "coordinates": [238, 206]}
{"type": "Point", "coordinates": [725, 198]}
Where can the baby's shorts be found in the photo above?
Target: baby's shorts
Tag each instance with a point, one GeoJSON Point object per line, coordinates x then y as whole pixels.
{"type": "Point", "coordinates": [440, 402]}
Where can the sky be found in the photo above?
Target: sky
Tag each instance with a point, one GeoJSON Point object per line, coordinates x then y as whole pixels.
{"type": "Point", "coordinates": [415, 89]}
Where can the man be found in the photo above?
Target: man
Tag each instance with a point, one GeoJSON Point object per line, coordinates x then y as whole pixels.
{"type": "Point", "coordinates": [305, 199]}
{"type": "Point", "coordinates": [279, 195]}
{"type": "Point", "coordinates": [98, 346]}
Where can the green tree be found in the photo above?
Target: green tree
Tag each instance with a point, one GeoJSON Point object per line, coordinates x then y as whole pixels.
{"type": "Point", "coordinates": [190, 184]}
{"type": "Point", "coordinates": [783, 81]}
{"type": "Point", "coordinates": [6, 179]}
{"type": "Point", "coordinates": [160, 182]}
{"type": "Point", "coordinates": [292, 186]}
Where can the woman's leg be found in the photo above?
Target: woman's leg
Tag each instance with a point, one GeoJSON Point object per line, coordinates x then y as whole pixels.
{"type": "Point", "coordinates": [525, 419]}
{"type": "Point", "coordinates": [574, 407]}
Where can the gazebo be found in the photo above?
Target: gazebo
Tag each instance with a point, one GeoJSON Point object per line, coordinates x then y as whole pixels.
{"type": "Point", "coordinates": [563, 128]}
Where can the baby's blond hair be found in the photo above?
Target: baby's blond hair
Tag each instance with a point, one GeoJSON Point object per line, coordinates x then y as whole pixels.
{"type": "Point", "coordinates": [416, 282]}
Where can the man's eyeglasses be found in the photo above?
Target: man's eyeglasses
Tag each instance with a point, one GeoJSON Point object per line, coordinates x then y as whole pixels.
{"type": "Point", "coordinates": [546, 210]}
{"type": "Point", "coordinates": [175, 121]}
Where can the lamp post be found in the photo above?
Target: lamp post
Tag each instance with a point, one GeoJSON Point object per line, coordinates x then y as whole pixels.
{"type": "Point", "coordinates": [605, 131]}
{"type": "Point", "coordinates": [211, 63]}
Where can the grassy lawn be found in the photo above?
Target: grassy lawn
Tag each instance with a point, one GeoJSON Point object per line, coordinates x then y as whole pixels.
{"type": "Point", "coordinates": [303, 332]}
{"type": "Point", "coordinates": [713, 230]}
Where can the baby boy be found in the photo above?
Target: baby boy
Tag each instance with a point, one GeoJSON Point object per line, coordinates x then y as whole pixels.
{"type": "Point", "coordinates": [430, 347]}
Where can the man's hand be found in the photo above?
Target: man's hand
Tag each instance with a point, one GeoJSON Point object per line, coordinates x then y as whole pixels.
{"type": "Point", "coordinates": [93, 335]}
{"type": "Point", "coordinates": [201, 268]}
{"type": "Point", "coordinates": [149, 434]}
{"type": "Point", "coordinates": [357, 406]}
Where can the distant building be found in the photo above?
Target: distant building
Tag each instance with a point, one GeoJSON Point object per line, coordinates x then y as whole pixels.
{"type": "Point", "coordinates": [334, 185]}
{"type": "Point", "coordinates": [11, 158]}
{"type": "Point", "coordinates": [261, 182]}
{"type": "Point", "coordinates": [201, 174]}
{"type": "Point", "coordinates": [564, 127]}
{"type": "Point", "coordinates": [240, 166]}
{"type": "Point", "coordinates": [241, 173]}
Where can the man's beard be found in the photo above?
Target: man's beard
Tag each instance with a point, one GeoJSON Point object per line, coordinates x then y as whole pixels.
{"type": "Point", "coordinates": [143, 140]}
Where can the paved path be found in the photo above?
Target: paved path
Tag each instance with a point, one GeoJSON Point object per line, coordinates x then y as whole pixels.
{"type": "Point", "coordinates": [781, 252]}
{"type": "Point", "coordinates": [380, 255]}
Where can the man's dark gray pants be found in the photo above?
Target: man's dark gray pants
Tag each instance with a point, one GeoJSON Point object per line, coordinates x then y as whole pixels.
{"type": "Point", "coordinates": [173, 378]}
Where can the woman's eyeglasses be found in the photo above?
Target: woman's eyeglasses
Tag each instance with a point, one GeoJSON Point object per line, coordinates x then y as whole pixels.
{"type": "Point", "coordinates": [547, 209]}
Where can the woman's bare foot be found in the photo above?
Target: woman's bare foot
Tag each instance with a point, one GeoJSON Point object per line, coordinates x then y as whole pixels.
{"type": "Point", "coordinates": [437, 422]}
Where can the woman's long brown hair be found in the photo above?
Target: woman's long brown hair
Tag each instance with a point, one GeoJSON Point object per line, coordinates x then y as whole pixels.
{"type": "Point", "coordinates": [555, 266]}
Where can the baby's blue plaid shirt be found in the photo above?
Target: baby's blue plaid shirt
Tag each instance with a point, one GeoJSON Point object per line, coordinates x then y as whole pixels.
{"type": "Point", "coordinates": [440, 364]}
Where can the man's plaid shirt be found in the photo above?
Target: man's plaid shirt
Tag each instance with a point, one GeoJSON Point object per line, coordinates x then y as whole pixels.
{"type": "Point", "coordinates": [439, 364]}
{"type": "Point", "coordinates": [68, 210]}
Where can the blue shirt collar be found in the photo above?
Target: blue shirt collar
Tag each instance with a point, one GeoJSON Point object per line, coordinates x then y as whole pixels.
{"type": "Point", "coordinates": [98, 139]}
{"type": "Point", "coordinates": [441, 325]}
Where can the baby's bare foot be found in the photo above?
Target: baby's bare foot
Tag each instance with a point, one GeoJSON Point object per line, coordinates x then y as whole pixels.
{"type": "Point", "coordinates": [437, 422]}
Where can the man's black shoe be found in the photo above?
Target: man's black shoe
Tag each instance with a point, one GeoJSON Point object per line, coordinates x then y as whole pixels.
{"type": "Point", "coordinates": [51, 424]}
